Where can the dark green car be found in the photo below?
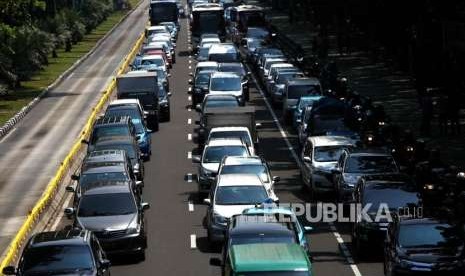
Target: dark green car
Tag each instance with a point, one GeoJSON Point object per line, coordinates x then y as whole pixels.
{"type": "Point", "coordinates": [270, 259]}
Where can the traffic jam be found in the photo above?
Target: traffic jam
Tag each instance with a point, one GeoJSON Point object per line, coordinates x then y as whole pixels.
{"type": "Point", "coordinates": [402, 201]}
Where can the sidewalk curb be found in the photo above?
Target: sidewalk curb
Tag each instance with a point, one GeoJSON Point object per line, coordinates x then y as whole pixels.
{"type": "Point", "coordinates": [13, 121]}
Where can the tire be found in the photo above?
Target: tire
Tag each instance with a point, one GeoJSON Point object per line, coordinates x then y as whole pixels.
{"type": "Point", "coordinates": [140, 256]}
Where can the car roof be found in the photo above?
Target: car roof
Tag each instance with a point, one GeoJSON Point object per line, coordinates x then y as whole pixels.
{"type": "Point", "coordinates": [107, 189]}
{"type": "Point", "coordinates": [239, 180]}
{"type": "Point", "coordinates": [125, 102]}
{"type": "Point", "coordinates": [218, 74]}
{"type": "Point", "coordinates": [112, 120]}
{"type": "Point", "coordinates": [223, 48]}
{"type": "Point", "coordinates": [248, 8]}
{"type": "Point", "coordinates": [105, 169]}
{"type": "Point", "coordinates": [268, 257]}
{"type": "Point", "coordinates": [207, 64]}
{"type": "Point", "coordinates": [242, 160]}
{"type": "Point", "coordinates": [367, 152]}
{"type": "Point", "coordinates": [231, 64]}
{"type": "Point", "coordinates": [207, 7]}
{"type": "Point", "coordinates": [304, 81]}
{"type": "Point", "coordinates": [268, 210]}
{"type": "Point", "coordinates": [225, 142]}
{"type": "Point", "coordinates": [319, 141]}
{"type": "Point", "coordinates": [224, 129]}
{"type": "Point", "coordinates": [106, 156]}
{"type": "Point", "coordinates": [158, 27]}
{"type": "Point", "coordinates": [61, 237]}
{"type": "Point", "coordinates": [220, 97]}
{"type": "Point", "coordinates": [152, 57]}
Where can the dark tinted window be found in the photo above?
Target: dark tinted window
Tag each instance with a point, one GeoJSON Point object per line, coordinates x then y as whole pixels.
{"type": "Point", "coordinates": [225, 84]}
{"type": "Point", "coordinates": [222, 103]}
{"type": "Point", "coordinates": [429, 235]}
{"type": "Point", "coordinates": [202, 79]}
{"type": "Point", "coordinates": [126, 147]}
{"type": "Point", "coordinates": [232, 134]}
{"type": "Point", "coordinates": [215, 154]}
{"type": "Point", "coordinates": [276, 273]}
{"type": "Point", "coordinates": [328, 154]}
{"type": "Point", "coordinates": [370, 164]}
{"type": "Point", "coordinates": [389, 195]}
{"type": "Point", "coordinates": [107, 205]}
{"type": "Point", "coordinates": [59, 258]}
{"type": "Point", "coordinates": [233, 69]}
{"type": "Point", "coordinates": [117, 130]}
{"type": "Point", "coordinates": [297, 91]}
{"type": "Point", "coordinates": [240, 195]}
{"type": "Point", "coordinates": [259, 170]}
{"type": "Point", "coordinates": [88, 178]}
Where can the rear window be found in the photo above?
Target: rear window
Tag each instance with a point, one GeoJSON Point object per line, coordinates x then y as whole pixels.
{"type": "Point", "coordinates": [225, 84]}
{"type": "Point", "coordinates": [215, 154]}
{"type": "Point", "coordinates": [59, 258]}
{"type": "Point", "coordinates": [297, 91]}
{"type": "Point", "coordinates": [106, 131]}
{"type": "Point", "coordinates": [370, 164]}
{"type": "Point", "coordinates": [429, 235]}
{"type": "Point", "coordinates": [222, 103]}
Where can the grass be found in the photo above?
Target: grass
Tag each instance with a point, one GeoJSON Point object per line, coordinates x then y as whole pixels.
{"type": "Point", "coordinates": [11, 104]}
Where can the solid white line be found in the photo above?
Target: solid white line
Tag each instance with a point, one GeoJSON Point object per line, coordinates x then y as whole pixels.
{"type": "Point", "coordinates": [189, 177]}
{"type": "Point", "coordinates": [339, 239]}
{"type": "Point", "coordinates": [193, 242]}
{"type": "Point", "coordinates": [189, 136]}
{"type": "Point", "coordinates": [189, 121]}
{"type": "Point", "coordinates": [189, 155]}
{"type": "Point", "coordinates": [191, 206]}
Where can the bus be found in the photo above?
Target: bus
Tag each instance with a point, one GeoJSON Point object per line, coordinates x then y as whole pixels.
{"type": "Point", "coordinates": [242, 17]}
{"type": "Point", "coordinates": [163, 11]}
{"type": "Point", "coordinates": [207, 19]}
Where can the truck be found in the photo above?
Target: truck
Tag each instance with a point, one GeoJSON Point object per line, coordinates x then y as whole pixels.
{"type": "Point", "coordinates": [142, 85]}
{"type": "Point", "coordinates": [227, 117]}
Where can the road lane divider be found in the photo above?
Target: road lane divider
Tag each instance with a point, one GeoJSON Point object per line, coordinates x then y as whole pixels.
{"type": "Point", "coordinates": [53, 186]}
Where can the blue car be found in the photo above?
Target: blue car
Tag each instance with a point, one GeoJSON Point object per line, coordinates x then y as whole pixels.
{"type": "Point", "coordinates": [302, 103]}
{"type": "Point", "coordinates": [285, 213]}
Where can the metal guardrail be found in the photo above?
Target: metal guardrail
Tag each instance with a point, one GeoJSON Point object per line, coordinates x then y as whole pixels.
{"type": "Point", "coordinates": [12, 252]}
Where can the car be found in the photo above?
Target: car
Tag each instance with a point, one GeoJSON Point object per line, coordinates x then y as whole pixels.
{"type": "Point", "coordinates": [250, 165]}
{"type": "Point", "coordinates": [280, 80]}
{"type": "Point", "coordinates": [63, 252]}
{"type": "Point", "coordinates": [213, 153]}
{"type": "Point", "coordinates": [275, 67]}
{"type": "Point", "coordinates": [202, 53]}
{"type": "Point", "coordinates": [209, 40]}
{"type": "Point", "coordinates": [263, 52]}
{"type": "Point", "coordinates": [251, 45]}
{"type": "Point", "coordinates": [205, 65]}
{"type": "Point", "coordinates": [115, 213]}
{"type": "Point", "coordinates": [268, 259]}
{"type": "Point", "coordinates": [200, 86]}
{"type": "Point", "coordinates": [164, 45]}
{"type": "Point", "coordinates": [172, 28]}
{"type": "Point", "coordinates": [296, 88]}
{"type": "Point", "coordinates": [151, 30]}
{"type": "Point", "coordinates": [424, 246]}
{"type": "Point", "coordinates": [130, 147]}
{"type": "Point", "coordinates": [143, 134]}
{"type": "Point", "coordinates": [162, 76]}
{"type": "Point", "coordinates": [223, 83]}
{"type": "Point", "coordinates": [108, 127]}
{"type": "Point", "coordinates": [224, 52]}
{"type": "Point", "coordinates": [257, 33]}
{"type": "Point", "coordinates": [265, 70]}
{"type": "Point", "coordinates": [158, 52]}
{"type": "Point", "coordinates": [320, 155]}
{"type": "Point", "coordinates": [355, 163]}
{"type": "Point", "coordinates": [302, 103]}
{"type": "Point", "coordinates": [242, 133]}
{"type": "Point", "coordinates": [211, 101]}
{"type": "Point", "coordinates": [385, 195]}
{"type": "Point", "coordinates": [230, 196]}
{"type": "Point", "coordinates": [164, 101]}
{"type": "Point", "coordinates": [153, 60]}
{"type": "Point", "coordinates": [237, 68]}
{"type": "Point", "coordinates": [108, 158]}
{"type": "Point", "coordinates": [165, 39]}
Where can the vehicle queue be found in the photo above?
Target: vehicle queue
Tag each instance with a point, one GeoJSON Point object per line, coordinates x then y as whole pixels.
{"type": "Point", "coordinates": [348, 151]}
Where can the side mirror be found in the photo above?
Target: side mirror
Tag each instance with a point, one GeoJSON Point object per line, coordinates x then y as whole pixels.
{"type": "Point", "coordinates": [144, 206]}
{"type": "Point", "coordinates": [307, 159]}
{"type": "Point", "coordinates": [196, 159]}
{"type": "Point", "coordinates": [105, 264]}
{"type": "Point", "coordinates": [84, 141]}
{"type": "Point", "coordinates": [169, 94]}
{"type": "Point", "coordinates": [69, 211]}
{"type": "Point", "coordinates": [169, 75]}
{"type": "Point", "coordinates": [258, 125]}
{"type": "Point", "coordinates": [75, 177]}
{"type": "Point", "coordinates": [149, 130]}
{"type": "Point", "coordinates": [276, 179]}
{"type": "Point", "coordinates": [70, 189]}
{"type": "Point", "coordinates": [198, 108]}
{"type": "Point", "coordinates": [9, 270]}
{"type": "Point", "coordinates": [139, 184]}
{"type": "Point", "coordinates": [207, 201]}
{"type": "Point", "coordinates": [308, 229]}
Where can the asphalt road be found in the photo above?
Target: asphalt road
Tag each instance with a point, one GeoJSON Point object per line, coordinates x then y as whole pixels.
{"type": "Point", "coordinates": [32, 152]}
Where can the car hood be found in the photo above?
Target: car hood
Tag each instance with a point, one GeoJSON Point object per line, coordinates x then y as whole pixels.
{"type": "Point", "coordinates": [213, 167]}
{"type": "Point", "coordinates": [228, 211]}
{"type": "Point", "coordinates": [106, 222]}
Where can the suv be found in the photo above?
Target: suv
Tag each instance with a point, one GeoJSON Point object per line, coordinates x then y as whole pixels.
{"type": "Point", "coordinates": [355, 163]}
{"type": "Point", "coordinates": [237, 68]}
{"type": "Point", "coordinates": [295, 89]}
{"type": "Point", "coordinates": [115, 213]}
{"type": "Point", "coordinates": [249, 165]}
{"type": "Point", "coordinates": [110, 126]}
{"type": "Point", "coordinates": [61, 252]}
{"type": "Point", "coordinates": [222, 83]}
{"type": "Point", "coordinates": [320, 155]}
{"type": "Point", "coordinates": [212, 155]}
{"type": "Point", "coordinates": [231, 196]}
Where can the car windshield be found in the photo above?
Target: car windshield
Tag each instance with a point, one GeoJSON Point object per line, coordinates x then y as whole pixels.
{"type": "Point", "coordinates": [126, 147]}
{"type": "Point", "coordinates": [259, 170]}
{"type": "Point", "coordinates": [233, 69]}
{"type": "Point", "coordinates": [297, 91]}
{"type": "Point", "coordinates": [146, 63]}
{"type": "Point", "coordinates": [205, 68]}
{"type": "Point", "coordinates": [131, 112]}
{"type": "Point", "coordinates": [216, 153]}
{"type": "Point", "coordinates": [328, 153]}
{"type": "Point", "coordinates": [203, 52]}
{"type": "Point", "coordinates": [257, 33]}
{"type": "Point", "coordinates": [225, 84]}
{"type": "Point", "coordinates": [89, 178]}
{"type": "Point", "coordinates": [370, 164]}
{"type": "Point", "coordinates": [56, 258]}
{"type": "Point", "coordinates": [304, 102]}
{"type": "Point", "coordinates": [97, 205]}
{"type": "Point", "coordinates": [202, 79]}
{"type": "Point", "coordinates": [390, 196]}
{"type": "Point", "coordinates": [222, 103]}
{"type": "Point", "coordinates": [283, 77]}
{"type": "Point", "coordinates": [240, 195]}
{"type": "Point", "coordinates": [244, 135]}
{"type": "Point", "coordinates": [429, 235]}
{"type": "Point", "coordinates": [107, 131]}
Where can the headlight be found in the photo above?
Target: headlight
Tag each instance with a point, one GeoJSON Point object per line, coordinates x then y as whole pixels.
{"type": "Point", "coordinates": [164, 102]}
{"type": "Point", "coordinates": [136, 168]}
{"type": "Point", "coordinates": [134, 227]}
{"type": "Point", "coordinates": [350, 180]}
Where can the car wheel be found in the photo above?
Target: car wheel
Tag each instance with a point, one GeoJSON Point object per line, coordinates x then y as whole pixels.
{"type": "Point", "coordinates": [140, 256]}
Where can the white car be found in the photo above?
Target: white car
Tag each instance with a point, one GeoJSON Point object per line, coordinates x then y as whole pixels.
{"type": "Point", "coordinates": [212, 155]}
{"type": "Point", "coordinates": [153, 60]}
{"type": "Point", "coordinates": [232, 194]}
{"type": "Point", "coordinates": [242, 133]}
{"type": "Point", "coordinates": [152, 30]}
{"type": "Point", "coordinates": [226, 83]}
{"type": "Point", "coordinates": [206, 65]}
{"type": "Point", "coordinates": [209, 40]}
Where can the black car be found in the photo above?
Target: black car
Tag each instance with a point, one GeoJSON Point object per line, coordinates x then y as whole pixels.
{"type": "Point", "coordinates": [211, 101]}
{"type": "Point", "coordinates": [130, 146]}
{"type": "Point", "coordinates": [110, 126]}
{"type": "Point", "coordinates": [383, 197]}
{"type": "Point", "coordinates": [115, 213]}
{"type": "Point", "coordinates": [237, 68]}
{"type": "Point", "coordinates": [424, 246]}
{"type": "Point", "coordinates": [164, 102]}
{"type": "Point", "coordinates": [75, 252]}
{"type": "Point", "coordinates": [200, 86]}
